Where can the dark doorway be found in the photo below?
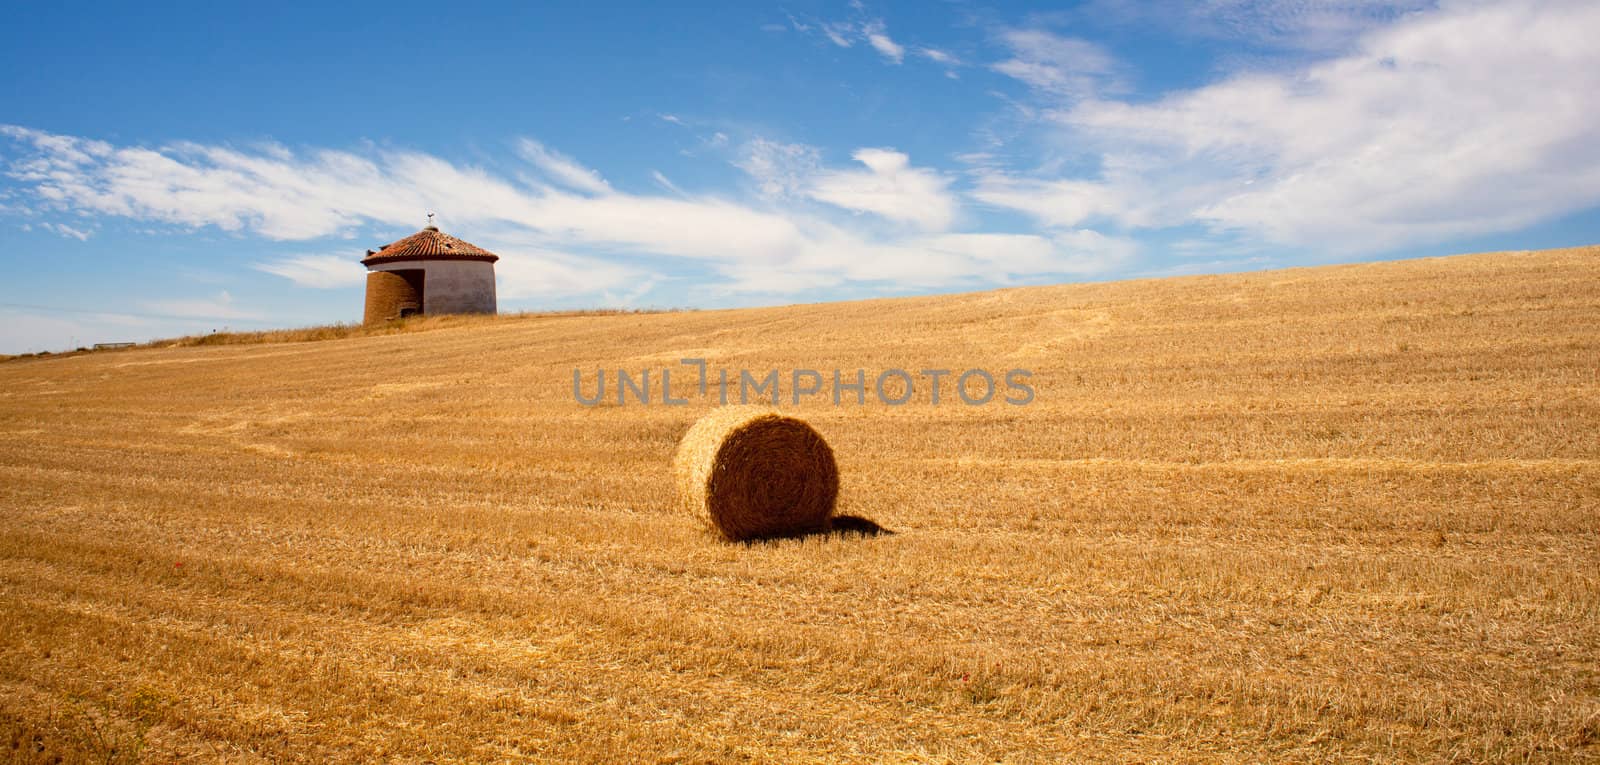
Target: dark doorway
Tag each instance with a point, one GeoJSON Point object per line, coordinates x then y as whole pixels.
{"type": "Point", "coordinates": [394, 294]}
{"type": "Point", "coordinates": [412, 300]}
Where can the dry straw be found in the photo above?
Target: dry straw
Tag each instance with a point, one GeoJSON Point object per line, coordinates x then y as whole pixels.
{"type": "Point", "coordinates": [751, 473]}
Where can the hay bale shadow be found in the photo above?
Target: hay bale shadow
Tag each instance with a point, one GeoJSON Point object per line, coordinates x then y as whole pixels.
{"type": "Point", "coordinates": [841, 525]}
{"type": "Point", "coordinates": [838, 526]}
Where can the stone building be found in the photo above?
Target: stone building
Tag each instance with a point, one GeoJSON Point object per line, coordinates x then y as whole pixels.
{"type": "Point", "coordinates": [429, 272]}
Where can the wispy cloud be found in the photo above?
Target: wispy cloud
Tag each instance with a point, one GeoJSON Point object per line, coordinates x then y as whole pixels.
{"type": "Point", "coordinates": [872, 31]}
{"type": "Point", "coordinates": [568, 234]}
{"type": "Point", "coordinates": [192, 185]}
{"type": "Point", "coordinates": [565, 170]}
{"type": "Point", "coordinates": [533, 272]}
{"type": "Point", "coordinates": [1314, 26]}
{"type": "Point", "coordinates": [1056, 65]}
{"type": "Point", "coordinates": [317, 271]}
{"type": "Point", "coordinates": [1067, 202]}
{"type": "Point", "coordinates": [664, 182]}
{"type": "Point", "coordinates": [1424, 132]}
{"type": "Point", "coordinates": [66, 231]}
{"type": "Point", "coordinates": [842, 34]}
{"type": "Point", "coordinates": [889, 187]}
{"type": "Point", "coordinates": [878, 38]}
{"type": "Point", "coordinates": [779, 169]}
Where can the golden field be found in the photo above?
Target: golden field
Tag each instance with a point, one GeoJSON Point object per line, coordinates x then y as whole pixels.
{"type": "Point", "coordinates": [1347, 513]}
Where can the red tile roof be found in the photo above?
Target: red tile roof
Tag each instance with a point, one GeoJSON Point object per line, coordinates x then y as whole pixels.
{"type": "Point", "coordinates": [428, 244]}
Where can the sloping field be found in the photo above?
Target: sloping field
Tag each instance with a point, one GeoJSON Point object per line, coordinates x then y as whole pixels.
{"type": "Point", "coordinates": [1344, 513]}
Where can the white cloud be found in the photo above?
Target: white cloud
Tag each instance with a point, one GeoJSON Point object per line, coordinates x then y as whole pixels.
{"type": "Point", "coordinates": [1075, 251]}
{"type": "Point", "coordinates": [1123, 195]}
{"type": "Point", "coordinates": [630, 297]}
{"type": "Point", "coordinates": [318, 271]}
{"type": "Point", "coordinates": [889, 187]}
{"type": "Point", "coordinates": [190, 185]}
{"type": "Point", "coordinates": [536, 273]}
{"type": "Point", "coordinates": [840, 34]}
{"type": "Point", "coordinates": [1429, 129]}
{"type": "Point", "coordinates": [878, 38]}
{"type": "Point", "coordinates": [700, 229]}
{"type": "Point", "coordinates": [875, 33]}
{"type": "Point", "coordinates": [1308, 25]}
{"type": "Point", "coordinates": [936, 260]}
{"type": "Point", "coordinates": [779, 169]}
{"type": "Point", "coordinates": [1054, 203]}
{"type": "Point", "coordinates": [664, 182]}
{"type": "Point", "coordinates": [66, 231]}
{"type": "Point", "coordinates": [1061, 66]}
{"type": "Point", "coordinates": [555, 239]}
{"type": "Point", "coordinates": [68, 149]}
{"type": "Point", "coordinates": [565, 170]}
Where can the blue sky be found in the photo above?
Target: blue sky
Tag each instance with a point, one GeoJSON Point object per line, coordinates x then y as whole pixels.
{"type": "Point", "coordinates": [175, 168]}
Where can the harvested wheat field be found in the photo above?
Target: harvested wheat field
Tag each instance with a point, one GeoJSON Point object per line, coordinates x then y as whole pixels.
{"type": "Point", "coordinates": [1343, 513]}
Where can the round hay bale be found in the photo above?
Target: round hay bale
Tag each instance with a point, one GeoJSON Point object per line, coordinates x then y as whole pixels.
{"type": "Point", "coordinates": [751, 473]}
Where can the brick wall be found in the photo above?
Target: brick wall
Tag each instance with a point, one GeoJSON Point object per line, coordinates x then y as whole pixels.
{"type": "Point", "coordinates": [390, 291]}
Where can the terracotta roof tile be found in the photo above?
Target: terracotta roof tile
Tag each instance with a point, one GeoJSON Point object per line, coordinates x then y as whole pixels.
{"type": "Point", "coordinates": [428, 244]}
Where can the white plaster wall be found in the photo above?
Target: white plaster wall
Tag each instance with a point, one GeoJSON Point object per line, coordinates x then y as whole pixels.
{"type": "Point", "coordinates": [453, 286]}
